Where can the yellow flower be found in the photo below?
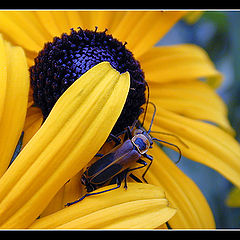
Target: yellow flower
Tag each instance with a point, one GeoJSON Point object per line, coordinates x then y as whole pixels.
{"type": "Point", "coordinates": [37, 183]}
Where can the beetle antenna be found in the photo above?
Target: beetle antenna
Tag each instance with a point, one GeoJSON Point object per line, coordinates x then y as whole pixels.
{"type": "Point", "coordinates": [144, 116]}
{"type": "Point", "coordinates": [155, 109]}
{"type": "Point", "coordinates": [173, 135]}
{"type": "Point", "coordinates": [179, 151]}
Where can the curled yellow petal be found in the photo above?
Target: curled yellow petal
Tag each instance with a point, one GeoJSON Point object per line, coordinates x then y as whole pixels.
{"type": "Point", "coordinates": [83, 115]}
{"type": "Point", "coordinates": [140, 206]}
{"type": "Point", "coordinates": [14, 100]}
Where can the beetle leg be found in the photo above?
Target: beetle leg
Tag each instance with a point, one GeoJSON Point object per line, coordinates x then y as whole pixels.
{"type": "Point", "coordinates": [99, 155]}
{"type": "Point", "coordinates": [89, 194]}
{"type": "Point", "coordinates": [134, 124]}
{"type": "Point", "coordinates": [125, 181]}
{"type": "Point", "coordinates": [168, 225]}
{"type": "Point", "coordinates": [117, 140]}
{"type": "Point", "coordinates": [133, 176]}
{"type": "Point", "coordinates": [144, 164]}
{"type": "Point", "coordinates": [128, 134]}
{"type": "Point", "coordinates": [148, 156]}
{"type": "Point", "coordinates": [128, 131]}
{"type": "Point", "coordinates": [136, 179]}
{"type": "Point", "coordinates": [141, 162]}
{"type": "Point", "coordinates": [80, 199]}
{"type": "Point", "coordinates": [151, 160]}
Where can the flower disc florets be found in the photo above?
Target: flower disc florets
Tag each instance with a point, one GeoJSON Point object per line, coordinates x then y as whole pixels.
{"type": "Point", "coordinates": [64, 60]}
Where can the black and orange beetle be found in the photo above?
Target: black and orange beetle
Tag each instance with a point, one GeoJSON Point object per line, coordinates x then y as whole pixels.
{"type": "Point", "coordinates": [115, 166]}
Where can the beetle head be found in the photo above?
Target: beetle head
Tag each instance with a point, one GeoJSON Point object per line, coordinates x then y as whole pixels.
{"type": "Point", "coordinates": [142, 131]}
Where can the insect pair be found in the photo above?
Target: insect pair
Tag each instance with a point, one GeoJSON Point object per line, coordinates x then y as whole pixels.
{"type": "Point", "coordinates": [117, 165]}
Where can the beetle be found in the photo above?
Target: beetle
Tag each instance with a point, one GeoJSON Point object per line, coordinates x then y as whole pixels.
{"type": "Point", "coordinates": [115, 166]}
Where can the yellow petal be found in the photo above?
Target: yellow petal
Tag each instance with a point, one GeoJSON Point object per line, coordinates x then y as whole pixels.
{"type": "Point", "coordinates": [194, 99]}
{"type": "Point", "coordinates": [15, 103]}
{"type": "Point", "coordinates": [20, 28]}
{"type": "Point", "coordinates": [233, 199]}
{"type": "Point", "coordinates": [3, 74]}
{"type": "Point", "coordinates": [30, 97]}
{"type": "Point", "coordinates": [55, 204]}
{"type": "Point", "coordinates": [140, 206]}
{"type": "Point", "coordinates": [32, 124]}
{"type": "Point", "coordinates": [74, 19]}
{"type": "Point", "coordinates": [101, 19]}
{"type": "Point", "coordinates": [141, 214]}
{"type": "Point", "coordinates": [206, 143]}
{"type": "Point", "coordinates": [48, 22]}
{"type": "Point", "coordinates": [61, 19]}
{"type": "Point", "coordinates": [38, 27]}
{"type": "Point", "coordinates": [74, 131]}
{"type": "Point", "coordinates": [72, 189]}
{"type": "Point", "coordinates": [182, 62]}
{"type": "Point", "coordinates": [70, 192]}
{"type": "Point", "coordinates": [143, 29]}
{"type": "Point", "coordinates": [193, 211]}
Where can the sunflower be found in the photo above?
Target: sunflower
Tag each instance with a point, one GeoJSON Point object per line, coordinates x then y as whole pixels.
{"type": "Point", "coordinates": [82, 93]}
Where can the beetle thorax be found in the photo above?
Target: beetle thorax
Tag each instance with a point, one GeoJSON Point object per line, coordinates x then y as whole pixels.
{"type": "Point", "coordinates": [141, 142]}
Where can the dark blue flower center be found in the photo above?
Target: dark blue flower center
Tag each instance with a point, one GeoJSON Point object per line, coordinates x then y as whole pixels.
{"type": "Point", "coordinates": [66, 58]}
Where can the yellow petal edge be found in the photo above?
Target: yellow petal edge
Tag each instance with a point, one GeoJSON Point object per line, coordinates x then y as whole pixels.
{"type": "Point", "coordinates": [141, 206]}
{"type": "Point", "coordinates": [74, 131]}
{"type": "Point", "coordinates": [14, 80]}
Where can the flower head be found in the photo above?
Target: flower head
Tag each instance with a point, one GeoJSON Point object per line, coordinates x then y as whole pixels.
{"type": "Point", "coordinates": [64, 60]}
{"type": "Point", "coordinates": [89, 83]}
